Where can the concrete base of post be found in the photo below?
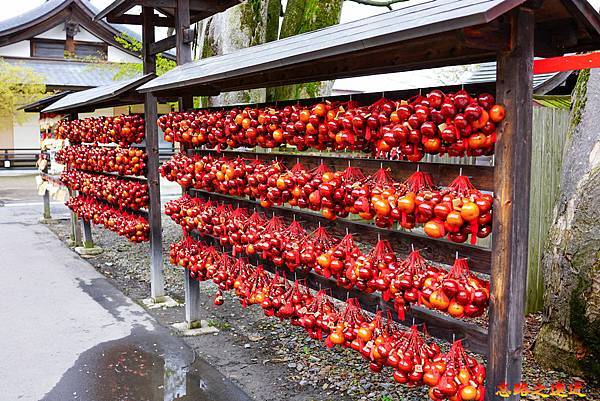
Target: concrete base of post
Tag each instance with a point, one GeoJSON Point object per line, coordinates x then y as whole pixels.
{"type": "Point", "coordinates": [195, 328]}
{"type": "Point", "coordinates": [163, 302]}
{"type": "Point", "coordinates": [88, 251]}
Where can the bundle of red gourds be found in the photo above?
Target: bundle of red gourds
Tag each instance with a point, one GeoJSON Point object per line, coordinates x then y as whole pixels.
{"type": "Point", "coordinates": [456, 124]}
{"type": "Point", "coordinates": [123, 161]}
{"type": "Point", "coordinates": [131, 194]}
{"type": "Point", "coordinates": [123, 130]}
{"type": "Point", "coordinates": [458, 212]}
{"type": "Point", "coordinates": [133, 226]}
{"type": "Point", "coordinates": [416, 361]}
{"type": "Point", "coordinates": [407, 281]}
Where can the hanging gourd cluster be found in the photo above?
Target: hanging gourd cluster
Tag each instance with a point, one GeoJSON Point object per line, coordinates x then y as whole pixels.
{"type": "Point", "coordinates": [411, 280]}
{"type": "Point", "coordinates": [454, 124]}
{"type": "Point", "coordinates": [457, 211]}
{"type": "Point", "coordinates": [98, 162]}
{"type": "Point", "coordinates": [415, 359]}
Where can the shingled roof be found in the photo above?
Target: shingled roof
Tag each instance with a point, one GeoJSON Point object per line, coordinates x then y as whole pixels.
{"type": "Point", "coordinates": [395, 41]}
{"type": "Point", "coordinates": [68, 74]}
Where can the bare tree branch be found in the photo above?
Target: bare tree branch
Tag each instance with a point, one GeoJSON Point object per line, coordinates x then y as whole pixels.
{"type": "Point", "coordinates": [379, 3]}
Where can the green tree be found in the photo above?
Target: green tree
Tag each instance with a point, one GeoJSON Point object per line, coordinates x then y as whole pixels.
{"type": "Point", "coordinates": [257, 21]}
{"type": "Point", "coordinates": [19, 85]}
{"type": "Point", "coordinates": [127, 70]}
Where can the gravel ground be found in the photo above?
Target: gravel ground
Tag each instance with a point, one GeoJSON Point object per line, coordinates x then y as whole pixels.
{"type": "Point", "coordinates": [269, 359]}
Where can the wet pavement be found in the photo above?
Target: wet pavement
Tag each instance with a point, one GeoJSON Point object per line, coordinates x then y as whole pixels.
{"type": "Point", "coordinates": [68, 334]}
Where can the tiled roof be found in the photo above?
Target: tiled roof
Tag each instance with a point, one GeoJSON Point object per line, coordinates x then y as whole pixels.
{"type": "Point", "coordinates": [69, 73]}
{"type": "Point", "coordinates": [112, 94]}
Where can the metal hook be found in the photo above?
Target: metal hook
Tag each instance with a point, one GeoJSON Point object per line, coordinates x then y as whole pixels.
{"type": "Point", "coordinates": [460, 171]}
{"type": "Point", "coordinates": [412, 246]}
{"type": "Point", "coordinates": [378, 237]}
{"type": "Point", "coordinates": [456, 254]}
{"type": "Point", "coordinates": [418, 167]}
{"type": "Point", "coordinates": [413, 321]}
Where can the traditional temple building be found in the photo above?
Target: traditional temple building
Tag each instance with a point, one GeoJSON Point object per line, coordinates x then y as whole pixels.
{"type": "Point", "coordinates": [60, 41]}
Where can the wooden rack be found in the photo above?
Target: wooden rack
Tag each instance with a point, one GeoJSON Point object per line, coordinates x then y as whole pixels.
{"type": "Point", "coordinates": [426, 35]}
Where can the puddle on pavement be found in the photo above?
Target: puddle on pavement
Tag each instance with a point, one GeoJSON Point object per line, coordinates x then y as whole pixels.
{"type": "Point", "coordinates": [117, 371]}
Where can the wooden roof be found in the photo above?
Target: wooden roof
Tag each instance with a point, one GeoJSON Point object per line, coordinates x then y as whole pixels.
{"type": "Point", "coordinates": [199, 9]}
{"type": "Point", "coordinates": [41, 104]}
{"type": "Point", "coordinates": [116, 94]}
{"type": "Point", "coordinates": [424, 35]}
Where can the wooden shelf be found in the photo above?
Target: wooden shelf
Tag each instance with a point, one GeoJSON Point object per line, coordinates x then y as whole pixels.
{"type": "Point", "coordinates": [439, 251]}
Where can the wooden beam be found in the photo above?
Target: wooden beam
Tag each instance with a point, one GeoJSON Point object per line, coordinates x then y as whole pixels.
{"type": "Point", "coordinates": [157, 281]}
{"type": "Point", "coordinates": [170, 42]}
{"type": "Point", "coordinates": [156, 20]}
{"type": "Point", "coordinates": [212, 6]}
{"type": "Point", "coordinates": [511, 206]}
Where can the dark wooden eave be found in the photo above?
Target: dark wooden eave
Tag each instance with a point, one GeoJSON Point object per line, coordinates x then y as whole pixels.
{"type": "Point", "coordinates": [41, 104]}
{"type": "Point", "coordinates": [199, 9]}
{"type": "Point", "coordinates": [425, 35]}
{"type": "Point", "coordinates": [117, 94]}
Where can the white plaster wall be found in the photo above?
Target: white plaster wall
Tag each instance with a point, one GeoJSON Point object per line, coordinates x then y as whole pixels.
{"type": "Point", "coordinates": [27, 134]}
{"type": "Point", "coordinates": [85, 36]}
{"type": "Point", "coordinates": [119, 56]}
{"type": "Point", "coordinates": [58, 32]}
{"type": "Point", "coordinates": [109, 111]}
{"type": "Point", "coordinates": [19, 49]}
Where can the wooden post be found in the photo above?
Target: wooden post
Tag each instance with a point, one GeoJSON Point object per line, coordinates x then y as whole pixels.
{"type": "Point", "coordinates": [75, 227]}
{"type": "Point", "coordinates": [184, 55]}
{"type": "Point", "coordinates": [511, 206]}
{"type": "Point", "coordinates": [88, 241]}
{"type": "Point", "coordinates": [47, 215]}
{"type": "Point", "coordinates": [192, 300]}
{"type": "Point", "coordinates": [157, 280]}
{"type": "Point", "coordinates": [183, 46]}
